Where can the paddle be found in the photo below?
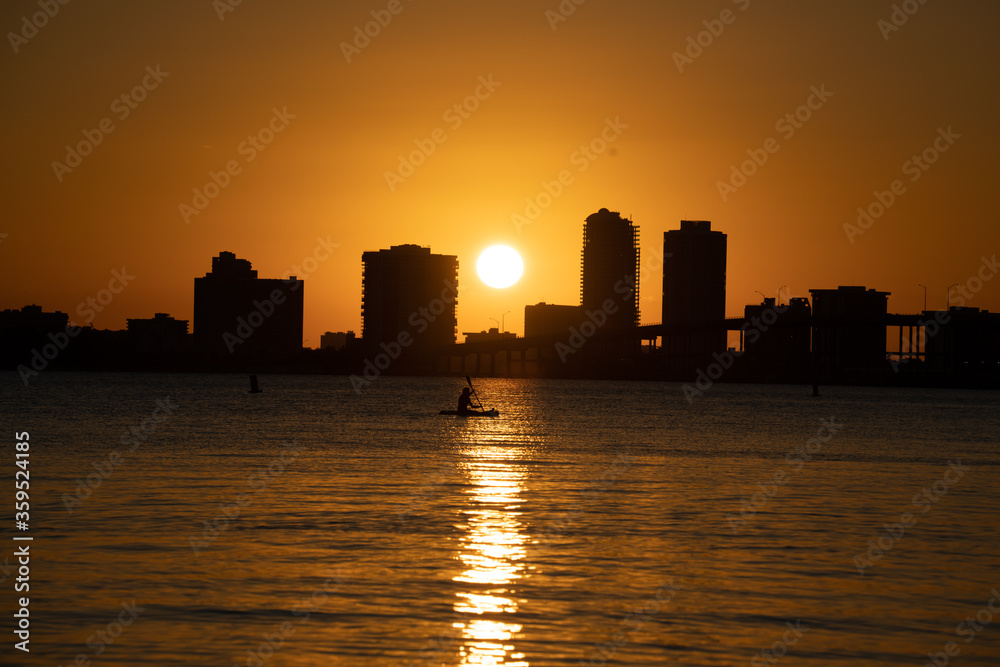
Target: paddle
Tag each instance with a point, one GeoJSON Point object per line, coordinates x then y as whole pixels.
{"type": "Point", "coordinates": [474, 393]}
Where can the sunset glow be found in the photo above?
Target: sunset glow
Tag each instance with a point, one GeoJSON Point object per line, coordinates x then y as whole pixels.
{"type": "Point", "coordinates": [267, 130]}
{"type": "Point", "coordinates": [500, 266]}
{"type": "Point", "coordinates": [511, 333]}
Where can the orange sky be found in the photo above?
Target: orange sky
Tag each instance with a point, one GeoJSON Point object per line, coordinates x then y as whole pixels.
{"type": "Point", "coordinates": [553, 90]}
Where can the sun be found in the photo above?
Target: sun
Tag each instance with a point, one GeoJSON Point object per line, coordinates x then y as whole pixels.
{"type": "Point", "coordinates": [499, 266]}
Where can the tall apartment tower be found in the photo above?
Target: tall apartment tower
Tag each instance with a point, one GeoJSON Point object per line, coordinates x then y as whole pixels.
{"type": "Point", "coordinates": [610, 267]}
{"type": "Point", "coordinates": [406, 289]}
{"type": "Point", "coordinates": [238, 316]}
{"type": "Point", "coordinates": [694, 293]}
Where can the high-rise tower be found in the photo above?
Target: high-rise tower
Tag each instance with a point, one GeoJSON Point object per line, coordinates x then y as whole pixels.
{"type": "Point", "coordinates": [610, 267]}
{"type": "Point", "coordinates": [694, 293]}
{"type": "Point", "coordinates": [238, 316]}
{"type": "Point", "coordinates": [406, 289]}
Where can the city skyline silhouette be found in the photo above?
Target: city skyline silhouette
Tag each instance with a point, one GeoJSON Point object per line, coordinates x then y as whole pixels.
{"type": "Point", "coordinates": [411, 300]}
{"type": "Point", "coordinates": [868, 168]}
{"type": "Point", "coordinates": [521, 333]}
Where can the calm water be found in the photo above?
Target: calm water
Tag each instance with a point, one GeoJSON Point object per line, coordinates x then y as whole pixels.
{"type": "Point", "coordinates": [592, 523]}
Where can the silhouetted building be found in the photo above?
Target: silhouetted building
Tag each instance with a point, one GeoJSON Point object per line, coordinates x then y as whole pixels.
{"type": "Point", "coordinates": [694, 294]}
{"type": "Point", "coordinates": [408, 291]}
{"type": "Point", "coordinates": [102, 349]}
{"type": "Point", "coordinates": [491, 336]}
{"type": "Point", "coordinates": [963, 342]}
{"type": "Point", "coordinates": [240, 317]}
{"type": "Point", "coordinates": [335, 340]}
{"type": "Point", "coordinates": [849, 331]}
{"type": "Point", "coordinates": [776, 341]}
{"type": "Point", "coordinates": [32, 319]}
{"type": "Point", "coordinates": [160, 336]}
{"type": "Point", "coordinates": [610, 267]}
{"type": "Point", "coordinates": [547, 319]}
{"type": "Point", "coordinates": [30, 328]}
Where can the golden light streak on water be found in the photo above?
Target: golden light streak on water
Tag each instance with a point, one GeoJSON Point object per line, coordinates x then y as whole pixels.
{"type": "Point", "coordinates": [492, 551]}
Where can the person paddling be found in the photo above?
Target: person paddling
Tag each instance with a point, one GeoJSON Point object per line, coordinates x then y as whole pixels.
{"type": "Point", "coordinates": [465, 402]}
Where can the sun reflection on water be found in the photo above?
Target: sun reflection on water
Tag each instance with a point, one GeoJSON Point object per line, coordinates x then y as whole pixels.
{"type": "Point", "coordinates": [493, 552]}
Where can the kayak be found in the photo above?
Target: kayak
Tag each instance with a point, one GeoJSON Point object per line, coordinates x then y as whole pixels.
{"type": "Point", "coordinates": [474, 413]}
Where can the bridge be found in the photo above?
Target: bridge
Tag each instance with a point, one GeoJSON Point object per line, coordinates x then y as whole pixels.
{"type": "Point", "coordinates": [540, 355]}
